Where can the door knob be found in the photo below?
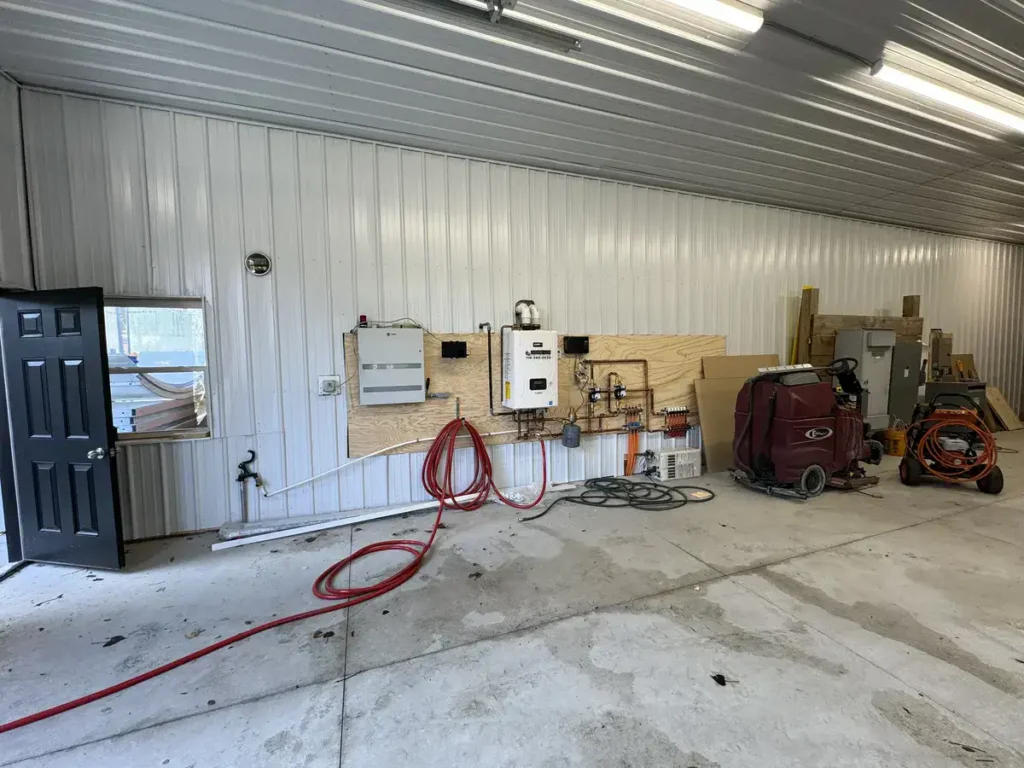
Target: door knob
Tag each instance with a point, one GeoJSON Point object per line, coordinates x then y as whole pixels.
{"type": "Point", "coordinates": [96, 453]}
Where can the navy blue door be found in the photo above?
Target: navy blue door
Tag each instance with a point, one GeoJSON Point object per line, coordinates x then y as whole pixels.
{"type": "Point", "coordinates": [58, 401]}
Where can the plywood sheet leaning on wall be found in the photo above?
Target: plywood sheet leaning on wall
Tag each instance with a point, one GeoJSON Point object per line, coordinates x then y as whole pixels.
{"type": "Point", "coordinates": [673, 364]}
{"type": "Point", "coordinates": [1003, 412]}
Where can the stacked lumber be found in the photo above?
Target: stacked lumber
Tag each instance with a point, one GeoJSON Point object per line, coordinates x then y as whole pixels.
{"type": "Point", "coordinates": [824, 328]}
{"type": "Point", "coordinates": [142, 403]}
{"type": "Point", "coordinates": [815, 339]}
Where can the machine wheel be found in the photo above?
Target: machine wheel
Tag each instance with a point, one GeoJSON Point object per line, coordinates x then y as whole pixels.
{"type": "Point", "coordinates": [812, 481]}
{"type": "Point", "coordinates": [910, 471]}
{"type": "Point", "coordinates": [992, 482]}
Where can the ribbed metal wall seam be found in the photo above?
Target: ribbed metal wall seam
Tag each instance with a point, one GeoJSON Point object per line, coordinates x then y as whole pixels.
{"type": "Point", "coordinates": [157, 202]}
{"type": "Point", "coordinates": [15, 257]}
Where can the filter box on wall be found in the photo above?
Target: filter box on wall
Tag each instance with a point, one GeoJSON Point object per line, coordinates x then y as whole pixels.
{"type": "Point", "coordinates": [390, 366]}
{"type": "Point", "coordinates": [529, 369]}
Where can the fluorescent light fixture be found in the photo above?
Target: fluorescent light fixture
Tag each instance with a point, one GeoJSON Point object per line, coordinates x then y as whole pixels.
{"type": "Point", "coordinates": [734, 14]}
{"type": "Point", "coordinates": [931, 90]}
{"type": "Point", "coordinates": [500, 14]}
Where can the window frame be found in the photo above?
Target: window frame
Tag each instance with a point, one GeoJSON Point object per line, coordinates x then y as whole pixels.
{"type": "Point", "coordinates": [164, 302]}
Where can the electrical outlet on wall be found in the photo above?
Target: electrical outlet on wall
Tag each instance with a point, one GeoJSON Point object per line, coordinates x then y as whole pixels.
{"type": "Point", "coordinates": [329, 385]}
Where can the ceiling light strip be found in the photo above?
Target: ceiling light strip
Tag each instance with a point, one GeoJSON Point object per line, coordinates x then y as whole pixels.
{"type": "Point", "coordinates": [734, 14]}
{"type": "Point", "coordinates": [939, 93]}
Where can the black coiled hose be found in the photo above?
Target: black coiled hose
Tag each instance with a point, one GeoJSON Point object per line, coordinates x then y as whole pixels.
{"type": "Point", "coordinates": [618, 492]}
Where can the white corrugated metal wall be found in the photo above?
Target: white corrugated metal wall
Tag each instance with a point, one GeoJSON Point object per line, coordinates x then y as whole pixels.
{"type": "Point", "coordinates": [149, 201]}
{"type": "Point", "coordinates": [15, 262]}
{"type": "Point", "coordinates": [15, 265]}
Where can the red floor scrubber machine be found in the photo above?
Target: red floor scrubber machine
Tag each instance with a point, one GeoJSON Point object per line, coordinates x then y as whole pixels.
{"type": "Point", "coordinates": [948, 440]}
{"type": "Point", "coordinates": [796, 433]}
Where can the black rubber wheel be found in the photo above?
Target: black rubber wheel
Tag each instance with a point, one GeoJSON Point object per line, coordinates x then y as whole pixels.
{"type": "Point", "coordinates": [992, 482]}
{"type": "Point", "coordinates": [910, 471]}
{"type": "Point", "coordinates": [812, 481]}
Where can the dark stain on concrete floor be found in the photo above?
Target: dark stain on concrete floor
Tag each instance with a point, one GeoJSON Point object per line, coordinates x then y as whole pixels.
{"type": "Point", "coordinates": [896, 623]}
{"type": "Point", "coordinates": [706, 618]}
{"type": "Point", "coordinates": [523, 590]}
{"type": "Point", "coordinates": [931, 728]}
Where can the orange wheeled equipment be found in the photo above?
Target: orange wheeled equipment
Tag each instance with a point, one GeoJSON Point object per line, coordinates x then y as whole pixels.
{"type": "Point", "coordinates": [950, 441]}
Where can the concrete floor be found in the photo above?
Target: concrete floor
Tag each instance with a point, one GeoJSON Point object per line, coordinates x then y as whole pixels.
{"type": "Point", "coordinates": [855, 630]}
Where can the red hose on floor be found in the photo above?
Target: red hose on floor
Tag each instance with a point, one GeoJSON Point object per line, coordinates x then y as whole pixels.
{"type": "Point", "coordinates": [438, 471]}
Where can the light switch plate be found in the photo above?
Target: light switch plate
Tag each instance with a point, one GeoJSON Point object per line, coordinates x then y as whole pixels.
{"type": "Point", "coordinates": [329, 385]}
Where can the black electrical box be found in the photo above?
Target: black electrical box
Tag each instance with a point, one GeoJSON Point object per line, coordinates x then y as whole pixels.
{"type": "Point", "coordinates": [453, 349]}
{"type": "Point", "coordinates": [577, 345]}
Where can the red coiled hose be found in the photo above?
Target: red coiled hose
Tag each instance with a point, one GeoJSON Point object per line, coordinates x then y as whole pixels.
{"type": "Point", "coordinates": [951, 466]}
{"type": "Point", "coordinates": [438, 470]}
{"type": "Point", "coordinates": [437, 476]}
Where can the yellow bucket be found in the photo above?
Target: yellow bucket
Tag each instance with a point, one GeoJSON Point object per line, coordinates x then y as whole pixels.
{"type": "Point", "coordinates": [895, 442]}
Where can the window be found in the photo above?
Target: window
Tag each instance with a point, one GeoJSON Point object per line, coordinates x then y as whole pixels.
{"type": "Point", "coordinates": [156, 351]}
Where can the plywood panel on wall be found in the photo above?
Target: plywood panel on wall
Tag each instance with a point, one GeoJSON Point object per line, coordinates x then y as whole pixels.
{"type": "Point", "coordinates": [673, 362]}
{"type": "Point", "coordinates": [152, 201]}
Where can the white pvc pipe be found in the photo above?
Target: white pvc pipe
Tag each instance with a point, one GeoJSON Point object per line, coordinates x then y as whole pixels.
{"type": "Point", "coordinates": [341, 522]}
{"type": "Point", "coordinates": [371, 455]}
{"type": "Point", "coordinates": [522, 312]}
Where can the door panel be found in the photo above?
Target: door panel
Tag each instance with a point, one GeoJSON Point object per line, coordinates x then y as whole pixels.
{"type": "Point", "coordinates": [69, 321]}
{"type": "Point", "coordinates": [83, 499]}
{"type": "Point", "coordinates": [47, 500]}
{"type": "Point", "coordinates": [37, 398]}
{"type": "Point", "coordinates": [76, 406]}
{"type": "Point", "coordinates": [30, 324]}
{"type": "Point", "coordinates": [58, 400]}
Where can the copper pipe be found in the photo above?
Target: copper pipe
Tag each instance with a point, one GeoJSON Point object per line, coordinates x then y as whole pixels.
{"type": "Point", "coordinates": [611, 392]}
{"type": "Point", "coordinates": [633, 393]}
{"type": "Point", "coordinates": [629, 361]}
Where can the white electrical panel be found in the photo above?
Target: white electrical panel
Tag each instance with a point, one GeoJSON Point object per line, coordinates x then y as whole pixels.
{"type": "Point", "coordinates": [677, 465]}
{"type": "Point", "coordinates": [390, 366]}
{"type": "Point", "coordinates": [529, 369]}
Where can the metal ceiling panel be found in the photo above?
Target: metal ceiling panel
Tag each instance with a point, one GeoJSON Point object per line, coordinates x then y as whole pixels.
{"type": "Point", "coordinates": [656, 95]}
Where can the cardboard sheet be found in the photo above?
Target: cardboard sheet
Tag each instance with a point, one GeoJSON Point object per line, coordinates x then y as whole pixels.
{"type": "Point", "coordinates": [716, 402]}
